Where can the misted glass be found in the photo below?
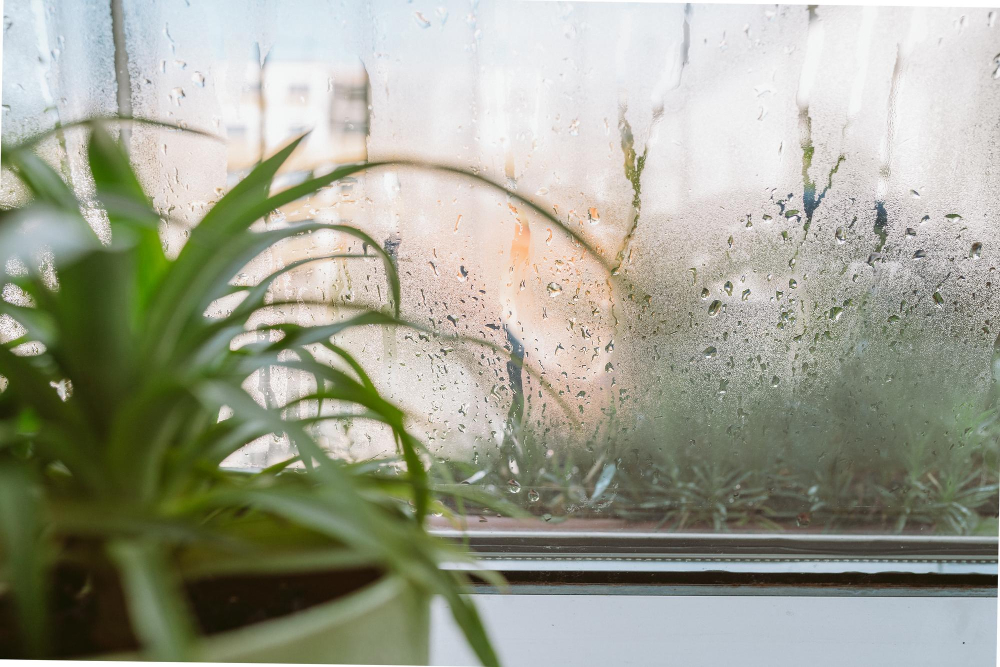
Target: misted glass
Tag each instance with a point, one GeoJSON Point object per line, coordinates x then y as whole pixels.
{"type": "Point", "coordinates": [795, 324]}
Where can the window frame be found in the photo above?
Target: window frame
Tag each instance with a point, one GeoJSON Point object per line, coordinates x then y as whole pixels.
{"type": "Point", "coordinates": [561, 562]}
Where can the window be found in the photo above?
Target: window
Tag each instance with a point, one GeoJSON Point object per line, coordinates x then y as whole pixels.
{"type": "Point", "coordinates": [799, 332]}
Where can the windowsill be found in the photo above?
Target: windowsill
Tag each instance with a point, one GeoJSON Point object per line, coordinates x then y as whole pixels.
{"type": "Point", "coordinates": [709, 630]}
{"type": "Point", "coordinates": [607, 596]}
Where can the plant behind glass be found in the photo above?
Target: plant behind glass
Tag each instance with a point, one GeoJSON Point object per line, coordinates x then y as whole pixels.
{"type": "Point", "coordinates": [111, 440]}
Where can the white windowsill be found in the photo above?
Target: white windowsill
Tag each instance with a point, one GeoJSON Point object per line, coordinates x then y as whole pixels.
{"type": "Point", "coordinates": [749, 631]}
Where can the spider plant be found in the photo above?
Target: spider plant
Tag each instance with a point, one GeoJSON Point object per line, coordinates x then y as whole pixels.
{"type": "Point", "coordinates": [111, 440]}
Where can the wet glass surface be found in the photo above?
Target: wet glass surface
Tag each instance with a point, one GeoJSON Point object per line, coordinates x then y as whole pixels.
{"type": "Point", "coordinates": [798, 205]}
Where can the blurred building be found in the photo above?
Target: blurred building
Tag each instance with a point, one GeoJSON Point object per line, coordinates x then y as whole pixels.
{"type": "Point", "coordinates": [284, 99]}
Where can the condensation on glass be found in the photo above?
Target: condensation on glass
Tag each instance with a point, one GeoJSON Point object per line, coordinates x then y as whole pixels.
{"type": "Point", "coordinates": [796, 208]}
{"type": "Point", "coordinates": [58, 66]}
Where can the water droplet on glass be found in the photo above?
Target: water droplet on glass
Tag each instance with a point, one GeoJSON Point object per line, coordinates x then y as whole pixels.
{"type": "Point", "coordinates": [976, 251]}
{"type": "Point", "coordinates": [914, 194]}
{"type": "Point", "coordinates": [199, 79]}
{"type": "Point", "coordinates": [709, 352]}
{"type": "Point", "coordinates": [595, 217]}
{"type": "Point", "coordinates": [533, 496]}
{"type": "Point", "coordinates": [835, 313]}
{"type": "Point", "coordinates": [714, 307]}
{"type": "Point", "coordinates": [792, 283]}
{"type": "Point", "coordinates": [840, 235]}
{"type": "Point", "coordinates": [574, 127]}
{"type": "Point", "coordinates": [462, 275]}
{"type": "Point", "coordinates": [920, 254]}
{"type": "Point", "coordinates": [910, 231]}
{"type": "Point", "coordinates": [705, 293]}
{"type": "Point", "coordinates": [745, 295]}
{"type": "Point", "coordinates": [421, 21]}
{"type": "Point", "coordinates": [953, 216]}
{"type": "Point", "coordinates": [775, 381]}
{"type": "Point", "coordinates": [555, 289]}
{"type": "Point", "coordinates": [938, 299]}
{"type": "Point", "coordinates": [176, 95]}
{"type": "Point", "coordinates": [728, 288]}
{"type": "Point", "coordinates": [513, 486]}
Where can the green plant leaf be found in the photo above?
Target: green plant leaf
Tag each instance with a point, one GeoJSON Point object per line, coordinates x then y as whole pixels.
{"type": "Point", "coordinates": [42, 180]}
{"type": "Point", "coordinates": [108, 520]}
{"type": "Point", "coordinates": [255, 296]}
{"type": "Point", "coordinates": [25, 553]}
{"type": "Point", "coordinates": [184, 327]}
{"type": "Point", "coordinates": [467, 617]}
{"type": "Point", "coordinates": [96, 348]}
{"type": "Point", "coordinates": [344, 388]}
{"type": "Point", "coordinates": [322, 333]}
{"type": "Point", "coordinates": [130, 213]}
{"type": "Point", "coordinates": [156, 606]}
{"type": "Point", "coordinates": [38, 324]}
{"type": "Point", "coordinates": [312, 185]}
{"type": "Point", "coordinates": [27, 233]}
{"type": "Point", "coordinates": [219, 227]}
{"type": "Point", "coordinates": [34, 140]}
{"type": "Point", "coordinates": [34, 386]}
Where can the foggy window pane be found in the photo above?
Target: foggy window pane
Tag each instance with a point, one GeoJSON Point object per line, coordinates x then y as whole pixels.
{"type": "Point", "coordinates": [799, 205]}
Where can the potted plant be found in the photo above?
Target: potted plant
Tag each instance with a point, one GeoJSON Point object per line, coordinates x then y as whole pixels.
{"type": "Point", "coordinates": [120, 533]}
